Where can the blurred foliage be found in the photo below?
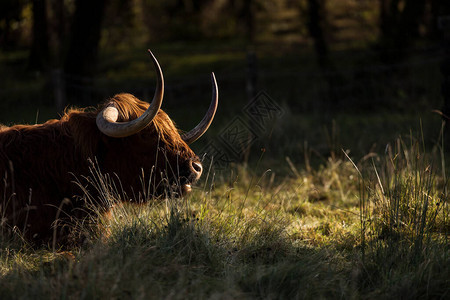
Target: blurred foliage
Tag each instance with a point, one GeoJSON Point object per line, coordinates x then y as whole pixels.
{"type": "Point", "coordinates": [194, 37]}
{"type": "Point", "coordinates": [282, 23]}
{"type": "Point", "coordinates": [15, 16]}
{"type": "Point", "coordinates": [140, 21]}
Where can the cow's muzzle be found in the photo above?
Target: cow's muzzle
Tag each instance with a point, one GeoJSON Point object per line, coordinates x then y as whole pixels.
{"type": "Point", "coordinates": [192, 175]}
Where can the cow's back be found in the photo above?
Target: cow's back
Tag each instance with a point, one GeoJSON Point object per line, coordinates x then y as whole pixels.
{"type": "Point", "coordinates": [36, 163]}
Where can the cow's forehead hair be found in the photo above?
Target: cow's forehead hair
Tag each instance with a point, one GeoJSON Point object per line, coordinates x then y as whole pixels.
{"type": "Point", "coordinates": [131, 108]}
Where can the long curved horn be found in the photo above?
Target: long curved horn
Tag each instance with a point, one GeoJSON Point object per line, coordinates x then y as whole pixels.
{"type": "Point", "coordinates": [202, 127]}
{"type": "Point", "coordinates": [106, 119]}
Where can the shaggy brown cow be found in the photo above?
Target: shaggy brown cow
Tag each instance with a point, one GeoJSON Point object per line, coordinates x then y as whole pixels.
{"type": "Point", "coordinates": [125, 136]}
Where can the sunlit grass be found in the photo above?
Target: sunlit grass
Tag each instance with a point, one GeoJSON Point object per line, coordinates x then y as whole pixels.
{"type": "Point", "coordinates": [375, 229]}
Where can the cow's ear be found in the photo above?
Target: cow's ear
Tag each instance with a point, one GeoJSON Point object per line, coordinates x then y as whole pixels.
{"type": "Point", "coordinates": [84, 132]}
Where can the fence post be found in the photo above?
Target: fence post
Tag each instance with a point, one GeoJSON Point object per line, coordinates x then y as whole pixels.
{"type": "Point", "coordinates": [59, 90]}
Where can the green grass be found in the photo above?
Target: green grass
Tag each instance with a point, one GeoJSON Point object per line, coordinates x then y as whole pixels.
{"type": "Point", "coordinates": [378, 229]}
{"type": "Point", "coordinates": [317, 225]}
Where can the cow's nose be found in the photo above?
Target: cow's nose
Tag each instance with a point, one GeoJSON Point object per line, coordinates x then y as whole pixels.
{"type": "Point", "coordinates": [197, 169]}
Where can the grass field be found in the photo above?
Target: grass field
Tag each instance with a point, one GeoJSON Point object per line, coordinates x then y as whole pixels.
{"type": "Point", "coordinates": [378, 229]}
{"type": "Point", "coordinates": [301, 219]}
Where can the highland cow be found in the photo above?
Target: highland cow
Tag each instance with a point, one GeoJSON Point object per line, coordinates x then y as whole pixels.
{"type": "Point", "coordinates": [129, 139]}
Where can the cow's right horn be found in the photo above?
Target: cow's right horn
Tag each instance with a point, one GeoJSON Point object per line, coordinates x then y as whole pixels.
{"type": "Point", "coordinates": [106, 119]}
{"type": "Point", "coordinates": [200, 129]}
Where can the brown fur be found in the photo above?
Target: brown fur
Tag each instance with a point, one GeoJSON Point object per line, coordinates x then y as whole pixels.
{"type": "Point", "coordinates": [40, 162]}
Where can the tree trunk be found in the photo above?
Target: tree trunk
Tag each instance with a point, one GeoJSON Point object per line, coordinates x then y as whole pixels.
{"type": "Point", "coordinates": [85, 37]}
{"type": "Point", "coordinates": [411, 17]}
{"type": "Point", "coordinates": [39, 55]}
{"type": "Point", "coordinates": [399, 28]}
{"type": "Point", "coordinates": [58, 31]}
{"type": "Point", "coordinates": [315, 25]}
{"type": "Point", "coordinates": [248, 17]}
{"type": "Point", "coordinates": [333, 95]}
{"type": "Point", "coordinates": [81, 60]}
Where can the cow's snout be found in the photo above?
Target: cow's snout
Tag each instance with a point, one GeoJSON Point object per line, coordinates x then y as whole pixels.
{"type": "Point", "coordinates": [196, 168]}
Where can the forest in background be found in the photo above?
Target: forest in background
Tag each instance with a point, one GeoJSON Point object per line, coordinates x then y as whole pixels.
{"type": "Point", "coordinates": [351, 66]}
{"type": "Point", "coordinates": [74, 35]}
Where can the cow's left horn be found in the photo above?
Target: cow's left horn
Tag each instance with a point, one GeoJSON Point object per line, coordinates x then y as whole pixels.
{"type": "Point", "coordinates": [106, 119]}
{"type": "Point", "coordinates": [202, 127]}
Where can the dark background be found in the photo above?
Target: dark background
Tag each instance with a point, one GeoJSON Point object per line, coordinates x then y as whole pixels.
{"type": "Point", "coordinates": [346, 74]}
